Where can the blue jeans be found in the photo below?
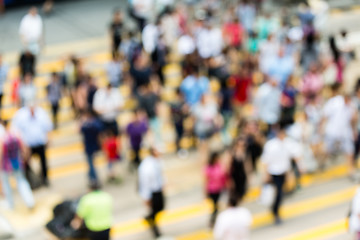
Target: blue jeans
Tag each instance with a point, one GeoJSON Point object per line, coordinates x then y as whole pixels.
{"type": "Point", "coordinates": [92, 172]}
{"type": "Point", "coordinates": [22, 186]}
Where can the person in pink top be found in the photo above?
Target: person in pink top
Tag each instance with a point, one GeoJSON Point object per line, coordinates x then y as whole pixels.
{"type": "Point", "coordinates": [312, 83]}
{"type": "Point", "coordinates": [215, 180]}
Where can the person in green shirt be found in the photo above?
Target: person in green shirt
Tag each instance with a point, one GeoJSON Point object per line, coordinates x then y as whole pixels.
{"type": "Point", "coordinates": [95, 211]}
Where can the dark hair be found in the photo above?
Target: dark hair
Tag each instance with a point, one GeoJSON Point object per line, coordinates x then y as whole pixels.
{"type": "Point", "coordinates": [336, 87]}
{"type": "Point", "coordinates": [233, 200]}
{"type": "Point", "coordinates": [94, 186]}
{"type": "Point", "coordinates": [213, 158]}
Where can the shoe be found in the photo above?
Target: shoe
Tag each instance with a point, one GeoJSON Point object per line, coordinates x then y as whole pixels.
{"type": "Point", "coordinates": [278, 221]}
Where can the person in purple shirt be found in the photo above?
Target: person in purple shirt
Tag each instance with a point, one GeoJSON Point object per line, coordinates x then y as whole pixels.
{"type": "Point", "coordinates": [136, 131]}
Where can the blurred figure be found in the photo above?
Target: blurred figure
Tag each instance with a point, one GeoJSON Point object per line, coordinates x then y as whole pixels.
{"type": "Point", "coordinates": [13, 154]}
{"type": "Point", "coordinates": [48, 7]}
{"type": "Point", "coordinates": [136, 131]}
{"type": "Point", "coordinates": [91, 128]}
{"type": "Point", "coordinates": [179, 111]}
{"type": "Point", "coordinates": [281, 68]}
{"type": "Point", "coordinates": [140, 10]}
{"type": "Point", "coordinates": [339, 126]}
{"type": "Point", "coordinates": [277, 156]}
{"type": "Point", "coordinates": [111, 147]}
{"type": "Point", "coordinates": [234, 222]}
{"type": "Point", "coordinates": [193, 87]}
{"type": "Point", "coordinates": [151, 183]}
{"type": "Point", "coordinates": [34, 125]}
{"type": "Point", "coordinates": [312, 82]}
{"type": "Point", "coordinates": [95, 211]}
{"type": "Point", "coordinates": [238, 169]}
{"type": "Point", "coordinates": [4, 69]}
{"type": "Point", "coordinates": [247, 14]}
{"type": "Point", "coordinates": [27, 90]}
{"type": "Point", "coordinates": [107, 103]}
{"type": "Point", "coordinates": [54, 96]}
{"type": "Point", "coordinates": [114, 71]}
{"type": "Point", "coordinates": [215, 180]}
{"type": "Point", "coordinates": [116, 30]}
{"type": "Point", "coordinates": [209, 41]}
{"type": "Point", "coordinates": [31, 31]}
{"type": "Point", "coordinates": [140, 72]}
{"type": "Point", "coordinates": [233, 33]}
{"type": "Point", "coordinates": [354, 218]}
{"type": "Point", "coordinates": [27, 63]}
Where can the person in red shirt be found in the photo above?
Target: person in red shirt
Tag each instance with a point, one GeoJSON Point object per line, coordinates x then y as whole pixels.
{"type": "Point", "coordinates": [233, 33]}
{"type": "Point", "coordinates": [242, 82]}
{"type": "Point", "coordinates": [111, 148]}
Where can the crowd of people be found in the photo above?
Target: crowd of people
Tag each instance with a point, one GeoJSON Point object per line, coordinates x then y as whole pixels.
{"type": "Point", "coordinates": [267, 86]}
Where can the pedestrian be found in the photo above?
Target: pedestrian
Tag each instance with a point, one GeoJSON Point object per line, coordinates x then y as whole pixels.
{"type": "Point", "coordinates": [277, 155]}
{"type": "Point", "coordinates": [215, 180]}
{"type": "Point", "coordinates": [4, 69]}
{"type": "Point", "coordinates": [91, 128]}
{"type": "Point", "coordinates": [27, 90]}
{"type": "Point", "coordinates": [339, 122]}
{"type": "Point", "coordinates": [114, 71]}
{"type": "Point", "coordinates": [136, 131]}
{"type": "Point", "coordinates": [151, 183]}
{"type": "Point", "coordinates": [116, 30]}
{"type": "Point", "coordinates": [107, 103]}
{"type": "Point", "coordinates": [179, 112]}
{"type": "Point", "coordinates": [27, 63]}
{"type": "Point", "coordinates": [95, 210]}
{"type": "Point", "coordinates": [34, 125]}
{"type": "Point", "coordinates": [140, 72]}
{"type": "Point", "coordinates": [31, 31]}
{"type": "Point", "coordinates": [111, 148]}
{"type": "Point", "coordinates": [13, 154]}
{"type": "Point", "coordinates": [54, 96]}
{"type": "Point", "coordinates": [239, 168]}
{"type": "Point", "coordinates": [234, 223]}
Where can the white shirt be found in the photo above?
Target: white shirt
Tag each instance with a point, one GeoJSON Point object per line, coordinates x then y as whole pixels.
{"type": "Point", "coordinates": [150, 177]}
{"type": "Point", "coordinates": [32, 129]}
{"type": "Point", "coordinates": [31, 28]}
{"type": "Point", "coordinates": [338, 117]}
{"type": "Point", "coordinates": [114, 72]}
{"type": "Point", "coordinates": [354, 220]}
{"type": "Point", "coordinates": [150, 37]}
{"type": "Point", "coordinates": [267, 103]}
{"type": "Point", "coordinates": [186, 45]}
{"type": "Point", "coordinates": [233, 224]}
{"type": "Point", "coordinates": [107, 103]}
{"type": "Point", "coordinates": [278, 153]}
{"type": "Point", "coordinates": [209, 42]}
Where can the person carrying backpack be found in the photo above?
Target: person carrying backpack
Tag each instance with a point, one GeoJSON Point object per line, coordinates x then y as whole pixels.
{"type": "Point", "coordinates": [12, 152]}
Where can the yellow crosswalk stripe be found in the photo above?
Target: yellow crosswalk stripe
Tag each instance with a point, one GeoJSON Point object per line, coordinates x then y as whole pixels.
{"type": "Point", "coordinates": [288, 211]}
{"type": "Point", "coordinates": [326, 231]}
{"type": "Point", "coordinates": [296, 210]}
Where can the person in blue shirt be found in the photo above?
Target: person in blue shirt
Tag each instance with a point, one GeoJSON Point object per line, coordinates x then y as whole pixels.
{"type": "Point", "coordinates": [282, 68]}
{"type": "Point", "coordinates": [91, 129]}
{"type": "Point", "coordinates": [194, 87]}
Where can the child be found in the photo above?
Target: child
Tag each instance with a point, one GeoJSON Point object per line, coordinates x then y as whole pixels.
{"type": "Point", "coordinates": [111, 147]}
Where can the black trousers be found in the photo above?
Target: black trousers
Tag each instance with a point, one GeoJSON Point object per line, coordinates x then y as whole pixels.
{"type": "Point", "coordinates": [111, 126]}
{"type": "Point", "coordinates": [103, 235]}
{"type": "Point", "coordinates": [157, 205]}
{"type": "Point", "coordinates": [215, 199]}
{"type": "Point", "coordinates": [40, 151]}
{"type": "Point", "coordinates": [278, 181]}
{"type": "Point", "coordinates": [55, 110]}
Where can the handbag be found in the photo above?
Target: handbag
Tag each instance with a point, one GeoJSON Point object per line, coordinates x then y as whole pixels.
{"type": "Point", "coordinates": [267, 195]}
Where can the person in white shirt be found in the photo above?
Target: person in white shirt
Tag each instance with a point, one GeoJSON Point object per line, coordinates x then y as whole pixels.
{"type": "Point", "coordinates": [114, 71]}
{"type": "Point", "coordinates": [151, 183]}
{"type": "Point", "coordinates": [33, 124]}
{"type": "Point", "coordinates": [107, 103]}
{"type": "Point", "coordinates": [209, 41]}
{"type": "Point", "coordinates": [31, 31]}
{"type": "Point", "coordinates": [277, 156]}
{"type": "Point", "coordinates": [4, 69]}
{"type": "Point", "coordinates": [339, 118]}
{"type": "Point", "coordinates": [354, 219]}
{"type": "Point", "coordinates": [234, 223]}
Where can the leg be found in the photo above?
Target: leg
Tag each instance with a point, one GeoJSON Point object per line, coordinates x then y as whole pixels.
{"type": "Point", "coordinates": [157, 204]}
{"type": "Point", "coordinates": [136, 160]}
{"type": "Point", "coordinates": [44, 168]}
{"type": "Point", "coordinates": [103, 235]}
{"type": "Point", "coordinates": [24, 189]}
{"type": "Point", "coordinates": [278, 182]}
{"type": "Point", "coordinates": [7, 188]}
{"type": "Point", "coordinates": [92, 172]}
{"type": "Point", "coordinates": [215, 199]}
{"type": "Point", "coordinates": [55, 109]}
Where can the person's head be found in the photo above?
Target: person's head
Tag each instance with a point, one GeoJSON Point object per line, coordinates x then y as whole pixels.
{"type": "Point", "coordinates": [28, 78]}
{"type": "Point", "coordinates": [240, 143]}
{"type": "Point", "coordinates": [343, 33]}
{"type": "Point", "coordinates": [233, 200]}
{"type": "Point", "coordinates": [138, 114]}
{"type": "Point", "coordinates": [55, 77]}
{"type": "Point", "coordinates": [336, 88]}
{"type": "Point", "coordinates": [94, 186]}
{"type": "Point", "coordinates": [5, 123]}
{"type": "Point", "coordinates": [281, 52]}
{"type": "Point", "coordinates": [214, 158]}
{"type": "Point", "coordinates": [117, 17]}
{"type": "Point", "coordinates": [87, 114]}
{"type": "Point", "coordinates": [33, 11]}
{"type": "Point", "coordinates": [281, 130]}
{"type": "Point", "coordinates": [154, 152]}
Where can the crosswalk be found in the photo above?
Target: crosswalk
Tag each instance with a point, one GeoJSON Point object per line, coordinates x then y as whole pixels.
{"type": "Point", "coordinates": [67, 161]}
